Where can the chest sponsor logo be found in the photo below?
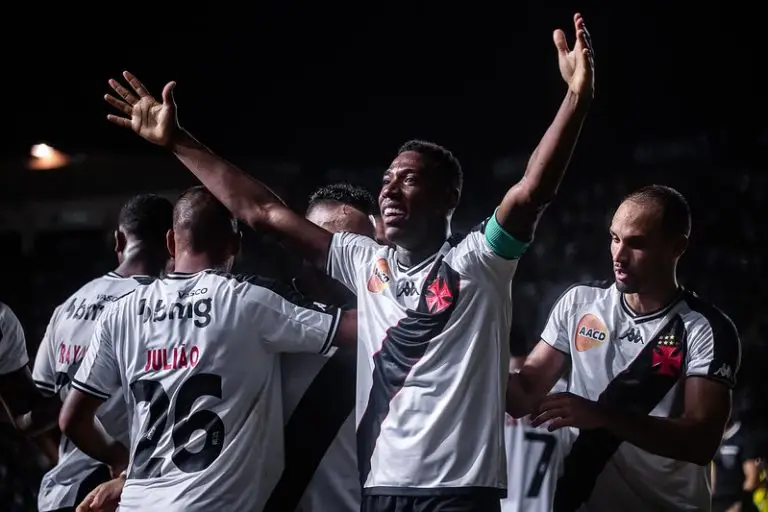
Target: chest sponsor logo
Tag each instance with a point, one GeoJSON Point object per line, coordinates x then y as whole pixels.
{"type": "Point", "coordinates": [380, 277]}
{"type": "Point", "coordinates": [591, 332]}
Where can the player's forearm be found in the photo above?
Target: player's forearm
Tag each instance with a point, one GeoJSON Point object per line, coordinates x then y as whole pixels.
{"type": "Point", "coordinates": [252, 201]}
{"type": "Point", "coordinates": [247, 198]}
{"type": "Point", "coordinates": [90, 437]}
{"type": "Point", "coordinates": [548, 163]}
{"type": "Point", "coordinates": [523, 204]}
{"type": "Point", "coordinates": [521, 396]}
{"type": "Point", "coordinates": [675, 438]}
{"type": "Point", "coordinates": [41, 418]}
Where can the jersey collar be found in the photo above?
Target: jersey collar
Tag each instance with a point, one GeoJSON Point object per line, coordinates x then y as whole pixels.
{"type": "Point", "coordinates": [418, 267]}
{"type": "Point", "coordinates": [647, 317]}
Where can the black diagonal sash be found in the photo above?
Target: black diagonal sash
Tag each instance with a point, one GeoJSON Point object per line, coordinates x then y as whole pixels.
{"type": "Point", "coordinates": [638, 389]}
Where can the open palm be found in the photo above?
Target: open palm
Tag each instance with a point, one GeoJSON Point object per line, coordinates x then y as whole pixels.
{"type": "Point", "coordinates": [577, 66]}
{"type": "Point", "coordinates": [152, 120]}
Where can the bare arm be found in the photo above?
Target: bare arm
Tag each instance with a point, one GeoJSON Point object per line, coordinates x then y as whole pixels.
{"type": "Point", "coordinates": [346, 334]}
{"type": "Point", "coordinates": [19, 394]}
{"type": "Point", "coordinates": [247, 198]}
{"type": "Point", "coordinates": [78, 422]}
{"type": "Point", "coordinates": [751, 475]}
{"type": "Point", "coordinates": [694, 437]}
{"type": "Point", "coordinates": [251, 201]}
{"type": "Point", "coordinates": [523, 205]}
{"type": "Point", "coordinates": [527, 387]}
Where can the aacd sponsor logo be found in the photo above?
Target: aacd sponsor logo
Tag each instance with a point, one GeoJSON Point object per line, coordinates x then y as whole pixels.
{"type": "Point", "coordinates": [591, 332]}
{"type": "Point", "coordinates": [381, 276]}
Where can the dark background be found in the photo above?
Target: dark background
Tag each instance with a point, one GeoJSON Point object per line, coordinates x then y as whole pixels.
{"type": "Point", "coordinates": [302, 96]}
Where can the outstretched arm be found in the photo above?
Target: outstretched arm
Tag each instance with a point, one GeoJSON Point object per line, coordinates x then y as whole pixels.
{"type": "Point", "coordinates": [247, 198]}
{"type": "Point", "coordinates": [522, 206]}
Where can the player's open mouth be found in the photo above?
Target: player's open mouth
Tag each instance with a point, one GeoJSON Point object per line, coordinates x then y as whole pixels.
{"type": "Point", "coordinates": [393, 215]}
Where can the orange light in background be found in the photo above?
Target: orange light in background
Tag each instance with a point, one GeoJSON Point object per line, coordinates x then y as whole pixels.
{"type": "Point", "coordinates": [44, 157]}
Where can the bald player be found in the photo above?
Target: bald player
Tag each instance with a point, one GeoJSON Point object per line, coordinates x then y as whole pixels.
{"type": "Point", "coordinates": [319, 391]}
{"type": "Point", "coordinates": [194, 356]}
{"type": "Point", "coordinates": [652, 368]}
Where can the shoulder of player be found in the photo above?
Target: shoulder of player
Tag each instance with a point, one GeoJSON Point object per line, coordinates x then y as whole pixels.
{"type": "Point", "coordinates": [7, 317]}
{"type": "Point", "coordinates": [586, 292]}
{"type": "Point", "coordinates": [254, 283]}
{"type": "Point", "coordinates": [701, 316]}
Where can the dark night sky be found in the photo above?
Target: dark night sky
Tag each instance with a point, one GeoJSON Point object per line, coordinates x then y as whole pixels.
{"type": "Point", "coordinates": [342, 85]}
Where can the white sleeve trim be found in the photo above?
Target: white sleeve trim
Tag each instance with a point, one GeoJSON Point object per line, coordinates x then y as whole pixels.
{"type": "Point", "coordinates": [332, 332]}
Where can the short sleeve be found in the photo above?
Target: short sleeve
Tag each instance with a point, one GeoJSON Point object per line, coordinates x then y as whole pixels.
{"type": "Point", "coordinates": [44, 371]}
{"type": "Point", "coordinates": [286, 321]}
{"type": "Point", "coordinates": [348, 255]}
{"type": "Point", "coordinates": [714, 348]}
{"type": "Point", "coordinates": [99, 374]}
{"type": "Point", "coordinates": [479, 258]}
{"type": "Point", "coordinates": [13, 344]}
{"type": "Point", "coordinates": [556, 332]}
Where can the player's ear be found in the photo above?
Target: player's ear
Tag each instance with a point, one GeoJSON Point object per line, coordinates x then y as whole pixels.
{"type": "Point", "coordinates": [681, 246]}
{"type": "Point", "coordinates": [170, 242]}
{"type": "Point", "coordinates": [120, 241]}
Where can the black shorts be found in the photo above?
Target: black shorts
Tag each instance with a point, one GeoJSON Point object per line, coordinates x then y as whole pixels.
{"type": "Point", "coordinates": [455, 503]}
{"type": "Point", "coordinates": [93, 480]}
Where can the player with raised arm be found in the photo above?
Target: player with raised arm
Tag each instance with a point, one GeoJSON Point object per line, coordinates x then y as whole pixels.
{"type": "Point", "coordinates": [652, 366]}
{"type": "Point", "coordinates": [194, 355]}
{"type": "Point", "coordinates": [319, 391]}
{"type": "Point", "coordinates": [435, 310]}
{"type": "Point", "coordinates": [534, 454]}
{"type": "Point", "coordinates": [141, 252]}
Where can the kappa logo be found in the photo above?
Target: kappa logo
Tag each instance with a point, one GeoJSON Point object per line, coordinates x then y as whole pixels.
{"type": "Point", "coordinates": [381, 276]}
{"type": "Point", "coordinates": [591, 332]}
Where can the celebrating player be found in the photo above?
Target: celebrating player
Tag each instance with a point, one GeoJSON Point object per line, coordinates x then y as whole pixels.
{"type": "Point", "coordinates": [141, 252]}
{"type": "Point", "coordinates": [193, 355]}
{"type": "Point", "coordinates": [435, 311]}
{"type": "Point", "coordinates": [652, 366]}
{"type": "Point", "coordinates": [319, 392]}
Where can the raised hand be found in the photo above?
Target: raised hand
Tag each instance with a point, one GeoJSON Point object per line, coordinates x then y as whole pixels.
{"type": "Point", "coordinates": [577, 66]}
{"type": "Point", "coordinates": [154, 121]}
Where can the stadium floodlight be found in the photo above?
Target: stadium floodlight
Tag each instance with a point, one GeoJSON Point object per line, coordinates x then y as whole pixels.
{"type": "Point", "coordinates": [45, 157]}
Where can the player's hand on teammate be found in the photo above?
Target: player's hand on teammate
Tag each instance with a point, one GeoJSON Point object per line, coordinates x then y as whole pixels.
{"type": "Point", "coordinates": [577, 66]}
{"type": "Point", "coordinates": [103, 498]}
{"type": "Point", "coordinates": [142, 113]}
{"type": "Point", "coordinates": [568, 410]}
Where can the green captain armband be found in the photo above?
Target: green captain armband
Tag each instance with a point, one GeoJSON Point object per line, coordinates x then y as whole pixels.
{"type": "Point", "coordinates": [501, 242]}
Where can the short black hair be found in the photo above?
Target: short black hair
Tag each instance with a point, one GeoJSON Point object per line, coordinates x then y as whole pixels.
{"type": "Point", "coordinates": [440, 157]}
{"type": "Point", "coordinates": [202, 218]}
{"type": "Point", "coordinates": [147, 217]}
{"type": "Point", "coordinates": [344, 193]}
{"type": "Point", "coordinates": [675, 214]}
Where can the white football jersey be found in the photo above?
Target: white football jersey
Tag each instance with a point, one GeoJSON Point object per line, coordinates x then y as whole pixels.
{"type": "Point", "coordinates": [320, 446]}
{"type": "Point", "coordinates": [59, 356]}
{"type": "Point", "coordinates": [627, 360]}
{"type": "Point", "coordinates": [195, 358]}
{"type": "Point", "coordinates": [13, 344]}
{"type": "Point", "coordinates": [433, 359]}
{"type": "Point", "coordinates": [534, 462]}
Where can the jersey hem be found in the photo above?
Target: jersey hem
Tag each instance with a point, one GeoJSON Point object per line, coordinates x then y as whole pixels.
{"type": "Point", "coordinates": [495, 492]}
{"type": "Point", "coordinates": [89, 390]}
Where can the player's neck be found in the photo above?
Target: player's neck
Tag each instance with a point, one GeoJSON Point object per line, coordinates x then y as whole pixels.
{"type": "Point", "coordinates": [425, 247]}
{"type": "Point", "coordinates": [654, 300]}
{"type": "Point", "coordinates": [188, 263]}
{"type": "Point", "coordinates": [141, 264]}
